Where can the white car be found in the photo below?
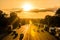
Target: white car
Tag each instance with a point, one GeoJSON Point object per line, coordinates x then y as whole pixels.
{"type": "Point", "coordinates": [58, 32]}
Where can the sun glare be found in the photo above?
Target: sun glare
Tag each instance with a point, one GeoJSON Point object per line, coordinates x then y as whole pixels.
{"type": "Point", "coordinates": [27, 7]}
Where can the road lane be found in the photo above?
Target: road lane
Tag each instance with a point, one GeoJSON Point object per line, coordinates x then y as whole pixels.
{"type": "Point", "coordinates": [30, 33]}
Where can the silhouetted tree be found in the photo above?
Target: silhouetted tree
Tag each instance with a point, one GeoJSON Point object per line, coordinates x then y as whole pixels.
{"type": "Point", "coordinates": [47, 20]}
{"type": "Point", "coordinates": [14, 20]}
{"type": "Point", "coordinates": [51, 21]}
{"type": "Point", "coordinates": [3, 22]}
{"type": "Point", "coordinates": [57, 18]}
{"type": "Point", "coordinates": [42, 21]}
{"type": "Point", "coordinates": [56, 21]}
{"type": "Point", "coordinates": [13, 16]}
{"type": "Point", "coordinates": [58, 12]}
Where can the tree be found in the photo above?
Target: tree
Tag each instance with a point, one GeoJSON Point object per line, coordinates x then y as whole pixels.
{"type": "Point", "coordinates": [42, 21]}
{"type": "Point", "coordinates": [57, 12]}
{"type": "Point", "coordinates": [1, 12]}
{"type": "Point", "coordinates": [3, 20]}
{"type": "Point", "coordinates": [48, 20]}
{"type": "Point", "coordinates": [56, 21]}
{"type": "Point", "coordinates": [14, 20]}
{"type": "Point", "coordinates": [13, 17]}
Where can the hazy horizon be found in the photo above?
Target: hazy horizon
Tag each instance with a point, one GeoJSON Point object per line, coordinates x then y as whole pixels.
{"type": "Point", "coordinates": [13, 5]}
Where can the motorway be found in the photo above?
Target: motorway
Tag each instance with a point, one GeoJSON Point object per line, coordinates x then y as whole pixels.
{"type": "Point", "coordinates": [30, 32]}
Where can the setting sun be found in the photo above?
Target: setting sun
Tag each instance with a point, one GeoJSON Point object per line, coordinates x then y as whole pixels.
{"type": "Point", "coordinates": [27, 7]}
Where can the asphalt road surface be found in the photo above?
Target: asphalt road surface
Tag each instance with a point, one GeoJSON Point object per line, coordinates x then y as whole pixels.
{"type": "Point", "coordinates": [30, 32]}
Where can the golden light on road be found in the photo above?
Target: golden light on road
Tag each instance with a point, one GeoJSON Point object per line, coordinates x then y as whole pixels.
{"type": "Point", "coordinates": [30, 22]}
{"type": "Point", "coordinates": [27, 7]}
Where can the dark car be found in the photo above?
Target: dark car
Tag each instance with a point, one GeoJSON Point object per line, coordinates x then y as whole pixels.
{"type": "Point", "coordinates": [21, 36]}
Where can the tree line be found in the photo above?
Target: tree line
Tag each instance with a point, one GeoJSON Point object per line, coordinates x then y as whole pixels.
{"type": "Point", "coordinates": [6, 21]}
{"type": "Point", "coordinates": [53, 21]}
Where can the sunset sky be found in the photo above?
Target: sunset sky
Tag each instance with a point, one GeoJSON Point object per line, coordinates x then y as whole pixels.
{"type": "Point", "coordinates": [5, 4]}
{"type": "Point", "coordinates": [9, 4]}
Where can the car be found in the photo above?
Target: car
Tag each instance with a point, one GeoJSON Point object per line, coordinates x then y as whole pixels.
{"type": "Point", "coordinates": [52, 30]}
{"type": "Point", "coordinates": [58, 31]}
